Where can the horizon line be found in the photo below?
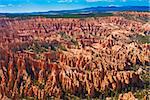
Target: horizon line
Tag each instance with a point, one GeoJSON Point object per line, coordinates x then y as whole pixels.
{"type": "Point", "coordinates": [70, 9]}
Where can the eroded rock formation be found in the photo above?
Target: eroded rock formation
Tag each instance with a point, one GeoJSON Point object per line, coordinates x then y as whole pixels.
{"type": "Point", "coordinates": [44, 57]}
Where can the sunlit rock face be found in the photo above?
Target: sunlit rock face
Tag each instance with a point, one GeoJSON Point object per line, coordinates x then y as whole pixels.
{"type": "Point", "coordinates": [127, 96]}
{"type": "Point", "coordinates": [46, 57]}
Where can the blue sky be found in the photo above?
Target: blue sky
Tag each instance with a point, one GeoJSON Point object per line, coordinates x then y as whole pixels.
{"type": "Point", "coordinates": [13, 6]}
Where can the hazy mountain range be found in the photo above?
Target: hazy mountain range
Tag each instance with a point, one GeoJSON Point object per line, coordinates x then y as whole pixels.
{"type": "Point", "coordinates": [98, 9]}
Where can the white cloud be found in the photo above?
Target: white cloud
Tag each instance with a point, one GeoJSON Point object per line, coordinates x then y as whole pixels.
{"type": "Point", "coordinates": [8, 5]}
{"type": "Point", "coordinates": [98, 0]}
{"type": "Point", "coordinates": [113, 5]}
{"type": "Point", "coordinates": [60, 1]}
{"type": "Point", "coordinates": [109, 0]}
{"type": "Point", "coordinates": [1, 6]}
{"type": "Point", "coordinates": [124, 0]}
